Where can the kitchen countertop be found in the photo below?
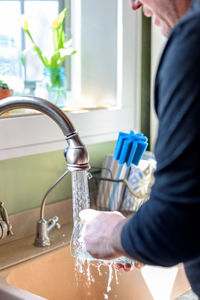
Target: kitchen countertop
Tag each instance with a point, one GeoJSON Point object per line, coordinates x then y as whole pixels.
{"type": "Point", "coordinates": [23, 249]}
{"type": "Point", "coordinates": [20, 247]}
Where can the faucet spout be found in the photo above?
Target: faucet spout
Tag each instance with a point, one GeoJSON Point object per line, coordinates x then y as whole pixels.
{"type": "Point", "coordinates": [76, 153]}
{"type": "Point", "coordinates": [41, 105]}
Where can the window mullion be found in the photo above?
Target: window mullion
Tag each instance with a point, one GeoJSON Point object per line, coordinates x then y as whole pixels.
{"type": "Point", "coordinates": [22, 34]}
{"type": "Point", "coordinates": [68, 32]}
{"type": "Point", "coordinates": [61, 4]}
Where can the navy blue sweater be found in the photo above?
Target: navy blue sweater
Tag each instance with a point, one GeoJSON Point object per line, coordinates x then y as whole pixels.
{"type": "Point", "coordinates": [165, 231]}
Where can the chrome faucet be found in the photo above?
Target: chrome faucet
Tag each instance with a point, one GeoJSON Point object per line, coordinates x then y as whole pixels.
{"type": "Point", "coordinates": [75, 153]}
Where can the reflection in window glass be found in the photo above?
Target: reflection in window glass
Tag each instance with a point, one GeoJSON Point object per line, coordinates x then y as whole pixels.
{"type": "Point", "coordinates": [9, 20]}
{"type": "Point", "coordinates": [10, 45]}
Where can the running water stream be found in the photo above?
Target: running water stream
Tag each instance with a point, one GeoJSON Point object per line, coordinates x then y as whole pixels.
{"type": "Point", "coordinates": [81, 200]}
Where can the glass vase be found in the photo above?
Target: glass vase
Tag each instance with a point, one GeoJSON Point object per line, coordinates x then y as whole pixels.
{"type": "Point", "coordinates": [55, 85]}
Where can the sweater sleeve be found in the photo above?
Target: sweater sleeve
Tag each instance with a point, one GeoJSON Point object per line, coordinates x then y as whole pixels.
{"type": "Point", "coordinates": [165, 229]}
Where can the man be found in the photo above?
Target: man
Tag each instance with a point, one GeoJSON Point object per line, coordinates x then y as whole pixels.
{"type": "Point", "coordinates": [165, 230]}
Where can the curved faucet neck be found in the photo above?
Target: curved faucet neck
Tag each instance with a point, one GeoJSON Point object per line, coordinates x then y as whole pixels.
{"type": "Point", "coordinates": [76, 154]}
{"type": "Point", "coordinates": [41, 105]}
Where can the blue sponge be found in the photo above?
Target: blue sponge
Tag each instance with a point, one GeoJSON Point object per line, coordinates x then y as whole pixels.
{"type": "Point", "coordinates": [130, 148]}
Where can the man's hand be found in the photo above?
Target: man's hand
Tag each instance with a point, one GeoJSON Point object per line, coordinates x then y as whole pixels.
{"type": "Point", "coordinates": [102, 233]}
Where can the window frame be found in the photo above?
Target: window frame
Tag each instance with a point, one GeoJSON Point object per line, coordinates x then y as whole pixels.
{"type": "Point", "coordinates": [28, 135]}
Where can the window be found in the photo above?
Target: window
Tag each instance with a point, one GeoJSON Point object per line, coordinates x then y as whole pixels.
{"type": "Point", "coordinates": [105, 79]}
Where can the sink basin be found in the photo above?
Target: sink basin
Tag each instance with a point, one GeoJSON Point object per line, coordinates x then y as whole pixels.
{"type": "Point", "coordinates": [51, 276]}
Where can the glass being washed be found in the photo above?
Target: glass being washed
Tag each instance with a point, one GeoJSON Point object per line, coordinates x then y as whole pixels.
{"type": "Point", "coordinates": [81, 200]}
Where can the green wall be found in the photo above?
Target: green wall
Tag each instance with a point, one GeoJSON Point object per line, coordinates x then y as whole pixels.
{"type": "Point", "coordinates": [146, 76]}
{"type": "Point", "coordinates": [25, 180]}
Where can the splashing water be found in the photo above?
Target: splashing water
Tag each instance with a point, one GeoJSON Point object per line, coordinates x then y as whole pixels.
{"type": "Point", "coordinates": [109, 278]}
{"type": "Point", "coordinates": [80, 195]}
{"type": "Point", "coordinates": [81, 200]}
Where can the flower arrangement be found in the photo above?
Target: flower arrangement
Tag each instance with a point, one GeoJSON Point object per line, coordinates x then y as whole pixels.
{"type": "Point", "coordinates": [62, 48]}
{"type": "Point", "coordinates": [53, 65]}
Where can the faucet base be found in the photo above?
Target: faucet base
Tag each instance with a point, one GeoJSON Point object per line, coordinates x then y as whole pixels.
{"type": "Point", "coordinates": [42, 239]}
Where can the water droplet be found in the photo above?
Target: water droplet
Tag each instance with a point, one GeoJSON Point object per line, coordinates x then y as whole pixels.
{"type": "Point", "coordinates": [110, 277]}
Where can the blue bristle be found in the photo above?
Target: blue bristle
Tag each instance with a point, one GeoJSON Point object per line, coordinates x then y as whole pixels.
{"type": "Point", "coordinates": [132, 134]}
{"type": "Point", "coordinates": [124, 152]}
{"type": "Point", "coordinates": [126, 148]}
{"type": "Point", "coordinates": [139, 135]}
{"type": "Point", "coordinates": [141, 147]}
{"type": "Point", "coordinates": [120, 141]}
{"type": "Point", "coordinates": [131, 154]}
{"type": "Point", "coordinates": [130, 148]}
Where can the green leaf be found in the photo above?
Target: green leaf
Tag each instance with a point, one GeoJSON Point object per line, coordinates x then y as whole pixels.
{"type": "Point", "coordinates": [55, 59]}
{"type": "Point", "coordinates": [46, 61]}
{"type": "Point", "coordinates": [64, 53]}
{"type": "Point", "coordinates": [60, 38]}
{"type": "Point", "coordinates": [63, 38]}
{"type": "Point", "coordinates": [23, 55]}
{"type": "Point", "coordinates": [39, 52]}
{"type": "Point", "coordinates": [61, 16]}
{"type": "Point", "coordinates": [22, 58]}
{"type": "Point", "coordinates": [55, 39]}
{"type": "Point", "coordinates": [28, 33]}
{"type": "Point", "coordinates": [60, 34]}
